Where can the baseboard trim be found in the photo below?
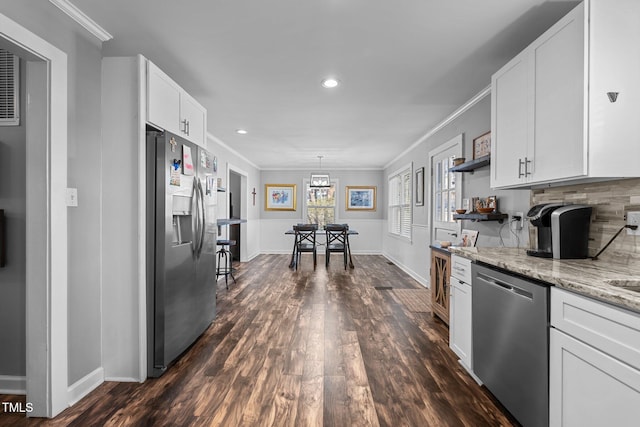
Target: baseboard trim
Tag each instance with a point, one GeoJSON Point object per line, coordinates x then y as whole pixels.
{"type": "Point", "coordinates": [123, 379]}
{"type": "Point", "coordinates": [420, 279]}
{"type": "Point", "coordinates": [13, 384]}
{"type": "Point", "coordinates": [85, 385]}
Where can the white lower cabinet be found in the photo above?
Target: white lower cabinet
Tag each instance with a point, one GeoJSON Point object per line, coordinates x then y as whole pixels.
{"type": "Point", "coordinates": [460, 321]}
{"type": "Point", "coordinates": [460, 332]}
{"type": "Point", "coordinates": [594, 363]}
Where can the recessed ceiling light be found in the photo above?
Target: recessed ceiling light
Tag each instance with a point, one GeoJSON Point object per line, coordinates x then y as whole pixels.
{"type": "Point", "coordinates": [330, 83]}
{"type": "Point", "coordinates": [241, 131]}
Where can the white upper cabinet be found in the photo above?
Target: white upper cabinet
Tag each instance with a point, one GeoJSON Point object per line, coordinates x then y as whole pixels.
{"type": "Point", "coordinates": [170, 108]}
{"type": "Point", "coordinates": [193, 119]}
{"type": "Point", "coordinates": [509, 122]}
{"type": "Point", "coordinates": [163, 100]}
{"type": "Point", "coordinates": [551, 118]}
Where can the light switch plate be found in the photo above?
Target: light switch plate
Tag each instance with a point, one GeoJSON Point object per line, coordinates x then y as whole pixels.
{"type": "Point", "coordinates": [633, 218]}
{"type": "Point", "coordinates": [72, 197]}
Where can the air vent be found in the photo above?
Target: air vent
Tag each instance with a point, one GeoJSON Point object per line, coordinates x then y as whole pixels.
{"type": "Point", "coordinates": [9, 89]}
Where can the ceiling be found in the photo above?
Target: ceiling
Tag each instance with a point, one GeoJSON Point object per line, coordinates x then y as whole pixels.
{"type": "Point", "coordinates": [404, 66]}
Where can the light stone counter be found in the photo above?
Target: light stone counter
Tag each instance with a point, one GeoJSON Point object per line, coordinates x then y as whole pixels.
{"type": "Point", "coordinates": [584, 276]}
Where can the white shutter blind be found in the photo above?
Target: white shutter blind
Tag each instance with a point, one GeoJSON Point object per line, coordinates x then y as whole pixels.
{"type": "Point", "coordinates": [400, 203]}
{"type": "Point", "coordinates": [9, 89]}
{"type": "Point", "coordinates": [405, 222]}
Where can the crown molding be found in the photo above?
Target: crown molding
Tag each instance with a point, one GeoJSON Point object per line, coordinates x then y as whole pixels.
{"type": "Point", "coordinates": [81, 18]}
{"type": "Point", "coordinates": [466, 106]}
{"type": "Point", "coordinates": [225, 146]}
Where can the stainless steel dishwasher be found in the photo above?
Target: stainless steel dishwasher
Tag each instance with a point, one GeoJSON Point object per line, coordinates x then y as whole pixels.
{"type": "Point", "coordinates": [511, 342]}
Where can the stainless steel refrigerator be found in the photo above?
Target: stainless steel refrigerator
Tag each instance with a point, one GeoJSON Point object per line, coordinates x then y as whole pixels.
{"type": "Point", "coordinates": [181, 243]}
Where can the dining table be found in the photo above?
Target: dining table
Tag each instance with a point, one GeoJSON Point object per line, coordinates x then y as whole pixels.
{"type": "Point", "coordinates": [350, 232]}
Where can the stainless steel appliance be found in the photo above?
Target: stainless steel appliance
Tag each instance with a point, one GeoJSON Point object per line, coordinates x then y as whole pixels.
{"type": "Point", "coordinates": [181, 237]}
{"type": "Point", "coordinates": [511, 342]}
{"type": "Point", "coordinates": [561, 231]}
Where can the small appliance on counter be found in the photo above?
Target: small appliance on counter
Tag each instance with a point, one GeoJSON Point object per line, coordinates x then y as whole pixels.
{"type": "Point", "coordinates": [562, 230]}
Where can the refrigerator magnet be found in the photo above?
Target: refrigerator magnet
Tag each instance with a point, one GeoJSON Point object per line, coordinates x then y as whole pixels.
{"type": "Point", "coordinates": [187, 161]}
{"type": "Point", "coordinates": [204, 159]}
{"type": "Point", "coordinates": [173, 143]}
{"type": "Point", "coordinates": [174, 178]}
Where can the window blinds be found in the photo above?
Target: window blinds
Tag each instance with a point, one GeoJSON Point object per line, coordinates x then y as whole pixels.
{"type": "Point", "coordinates": [400, 203]}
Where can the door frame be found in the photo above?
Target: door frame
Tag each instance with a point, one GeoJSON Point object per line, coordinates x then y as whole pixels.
{"type": "Point", "coordinates": [244, 207]}
{"type": "Point", "coordinates": [457, 140]}
{"type": "Point", "coordinates": [46, 224]}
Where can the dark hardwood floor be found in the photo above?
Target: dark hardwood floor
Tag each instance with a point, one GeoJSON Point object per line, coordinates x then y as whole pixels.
{"type": "Point", "coordinates": [326, 347]}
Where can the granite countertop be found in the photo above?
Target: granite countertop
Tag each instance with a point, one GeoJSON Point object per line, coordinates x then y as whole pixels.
{"type": "Point", "coordinates": [584, 276]}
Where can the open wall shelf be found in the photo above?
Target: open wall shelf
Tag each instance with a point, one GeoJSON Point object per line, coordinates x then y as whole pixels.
{"type": "Point", "coordinates": [500, 217]}
{"type": "Point", "coordinates": [472, 165]}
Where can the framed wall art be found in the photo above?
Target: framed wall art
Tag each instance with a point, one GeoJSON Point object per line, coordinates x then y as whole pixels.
{"type": "Point", "coordinates": [482, 146]}
{"type": "Point", "coordinates": [420, 187]}
{"type": "Point", "coordinates": [360, 198]}
{"type": "Point", "coordinates": [280, 197]}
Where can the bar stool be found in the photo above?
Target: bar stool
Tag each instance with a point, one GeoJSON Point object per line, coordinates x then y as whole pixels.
{"type": "Point", "coordinates": [223, 253]}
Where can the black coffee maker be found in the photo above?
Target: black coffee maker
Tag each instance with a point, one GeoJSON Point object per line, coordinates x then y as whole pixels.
{"type": "Point", "coordinates": [562, 230]}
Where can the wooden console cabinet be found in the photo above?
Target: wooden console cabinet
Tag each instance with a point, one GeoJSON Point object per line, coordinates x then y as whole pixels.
{"type": "Point", "coordinates": [440, 271]}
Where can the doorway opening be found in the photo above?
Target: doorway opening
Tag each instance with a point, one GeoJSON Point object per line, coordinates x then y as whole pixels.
{"type": "Point", "coordinates": [45, 379]}
{"type": "Point", "coordinates": [237, 207]}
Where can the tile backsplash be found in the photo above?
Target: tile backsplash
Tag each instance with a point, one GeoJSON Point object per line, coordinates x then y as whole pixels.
{"type": "Point", "coordinates": [610, 201]}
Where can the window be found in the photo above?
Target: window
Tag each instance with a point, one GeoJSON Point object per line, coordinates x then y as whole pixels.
{"type": "Point", "coordinates": [320, 205]}
{"type": "Point", "coordinates": [400, 202]}
{"type": "Point", "coordinates": [444, 189]}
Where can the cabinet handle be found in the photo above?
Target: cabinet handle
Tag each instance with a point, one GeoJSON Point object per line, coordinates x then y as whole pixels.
{"type": "Point", "coordinates": [188, 127]}
{"type": "Point", "coordinates": [526, 167]}
{"type": "Point", "coordinates": [520, 163]}
{"type": "Point", "coordinates": [184, 123]}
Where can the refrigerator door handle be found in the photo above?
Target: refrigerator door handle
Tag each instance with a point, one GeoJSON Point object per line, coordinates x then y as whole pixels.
{"type": "Point", "coordinates": [194, 218]}
{"type": "Point", "coordinates": [202, 218]}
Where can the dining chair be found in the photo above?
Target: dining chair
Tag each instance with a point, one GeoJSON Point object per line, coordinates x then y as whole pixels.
{"type": "Point", "coordinates": [305, 235]}
{"type": "Point", "coordinates": [336, 241]}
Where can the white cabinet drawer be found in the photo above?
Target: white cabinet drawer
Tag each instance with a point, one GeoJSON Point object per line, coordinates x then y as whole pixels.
{"type": "Point", "coordinates": [613, 330]}
{"type": "Point", "coordinates": [461, 268]}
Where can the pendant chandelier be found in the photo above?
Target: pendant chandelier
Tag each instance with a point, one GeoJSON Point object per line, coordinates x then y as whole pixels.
{"type": "Point", "coordinates": [320, 180]}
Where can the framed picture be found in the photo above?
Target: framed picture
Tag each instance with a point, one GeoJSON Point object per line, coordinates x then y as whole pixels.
{"type": "Point", "coordinates": [420, 187]}
{"type": "Point", "coordinates": [482, 145]}
{"type": "Point", "coordinates": [468, 238]}
{"type": "Point", "coordinates": [491, 202]}
{"type": "Point", "coordinates": [361, 198]}
{"type": "Point", "coordinates": [280, 197]}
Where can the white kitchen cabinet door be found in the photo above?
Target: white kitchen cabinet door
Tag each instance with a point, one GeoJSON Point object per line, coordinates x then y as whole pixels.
{"type": "Point", "coordinates": [163, 100]}
{"type": "Point", "coordinates": [510, 105]}
{"type": "Point", "coordinates": [193, 119]}
{"type": "Point", "coordinates": [460, 321]}
{"type": "Point", "coordinates": [614, 66]}
{"type": "Point", "coordinates": [588, 387]}
{"type": "Point", "coordinates": [558, 148]}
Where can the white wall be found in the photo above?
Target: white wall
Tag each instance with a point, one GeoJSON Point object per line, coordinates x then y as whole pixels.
{"type": "Point", "coordinates": [414, 256]}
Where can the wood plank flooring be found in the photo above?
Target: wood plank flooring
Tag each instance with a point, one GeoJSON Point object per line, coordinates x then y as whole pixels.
{"type": "Point", "coordinates": [308, 348]}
